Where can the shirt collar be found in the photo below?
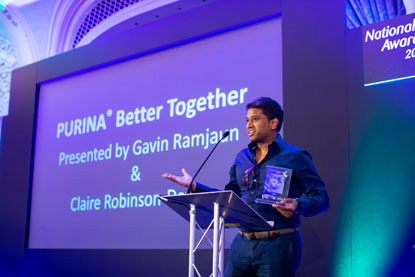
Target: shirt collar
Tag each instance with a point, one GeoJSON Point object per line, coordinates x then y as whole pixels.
{"type": "Point", "coordinates": [278, 142]}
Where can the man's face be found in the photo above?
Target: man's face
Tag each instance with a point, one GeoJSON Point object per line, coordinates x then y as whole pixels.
{"type": "Point", "coordinates": [259, 128]}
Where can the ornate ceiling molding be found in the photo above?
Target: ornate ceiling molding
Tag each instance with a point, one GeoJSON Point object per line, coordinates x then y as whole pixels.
{"type": "Point", "coordinates": [122, 15]}
{"type": "Point", "coordinates": [8, 62]}
{"type": "Point", "coordinates": [21, 36]}
{"type": "Point", "coordinates": [19, 49]}
{"type": "Point", "coordinates": [77, 23]}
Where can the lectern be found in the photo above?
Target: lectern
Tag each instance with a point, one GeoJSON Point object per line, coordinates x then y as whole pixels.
{"type": "Point", "coordinates": [219, 209]}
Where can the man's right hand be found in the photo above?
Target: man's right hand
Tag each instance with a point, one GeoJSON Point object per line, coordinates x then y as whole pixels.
{"type": "Point", "coordinates": [181, 180]}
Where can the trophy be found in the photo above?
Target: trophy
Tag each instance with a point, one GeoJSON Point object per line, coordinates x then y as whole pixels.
{"type": "Point", "coordinates": [276, 185]}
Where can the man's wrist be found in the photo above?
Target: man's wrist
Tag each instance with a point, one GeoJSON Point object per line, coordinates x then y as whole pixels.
{"type": "Point", "coordinates": [297, 210]}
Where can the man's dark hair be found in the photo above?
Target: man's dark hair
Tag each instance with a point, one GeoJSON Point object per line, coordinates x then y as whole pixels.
{"type": "Point", "coordinates": [269, 107]}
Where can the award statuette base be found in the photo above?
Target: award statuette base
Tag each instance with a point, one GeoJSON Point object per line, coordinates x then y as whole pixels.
{"type": "Point", "coordinates": [269, 201]}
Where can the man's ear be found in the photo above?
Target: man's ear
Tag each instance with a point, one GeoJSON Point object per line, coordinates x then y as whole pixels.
{"type": "Point", "coordinates": [274, 123]}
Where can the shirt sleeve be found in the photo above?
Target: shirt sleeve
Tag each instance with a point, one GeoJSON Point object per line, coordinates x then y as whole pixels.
{"type": "Point", "coordinates": [203, 188]}
{"type": "Point", "coordinates": [316, 199]}
{"type": "Point", "coordinates": [232, 185]}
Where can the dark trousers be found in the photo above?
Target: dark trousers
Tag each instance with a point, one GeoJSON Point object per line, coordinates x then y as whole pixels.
{"type": "Point", "coordinates": [272, 257]}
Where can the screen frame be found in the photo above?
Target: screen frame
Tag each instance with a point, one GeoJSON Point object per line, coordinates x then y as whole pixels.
{"type": "Point", "coordinates": [46, 73]}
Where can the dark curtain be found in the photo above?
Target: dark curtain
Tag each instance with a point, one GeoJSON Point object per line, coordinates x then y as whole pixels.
{"type": "Point", "coordinates": [362, 12]}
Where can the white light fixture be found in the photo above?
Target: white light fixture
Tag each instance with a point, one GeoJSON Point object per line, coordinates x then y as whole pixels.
{"type": "Point", "coordinates": [16, 3]}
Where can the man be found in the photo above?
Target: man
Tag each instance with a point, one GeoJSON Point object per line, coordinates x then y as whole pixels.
{"type": "Point", "coordinates": [276, 251]}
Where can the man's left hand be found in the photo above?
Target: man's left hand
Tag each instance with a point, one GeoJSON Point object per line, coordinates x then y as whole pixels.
{"type": "Point", "coordinates": [289, 207]}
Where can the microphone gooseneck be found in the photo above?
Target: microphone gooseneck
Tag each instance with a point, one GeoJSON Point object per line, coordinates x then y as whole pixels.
{"type": "Point", "coordinates": [189, 188]}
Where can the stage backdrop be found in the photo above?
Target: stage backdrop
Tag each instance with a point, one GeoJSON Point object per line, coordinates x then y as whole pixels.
{"type": "Point", "coordinates": [104, 137]}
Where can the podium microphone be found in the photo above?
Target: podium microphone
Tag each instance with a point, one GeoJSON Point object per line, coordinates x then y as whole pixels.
{"type": "Point", "coordinates": [189, 188]}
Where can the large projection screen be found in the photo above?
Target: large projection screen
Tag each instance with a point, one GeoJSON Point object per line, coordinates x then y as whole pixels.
{"type": "Point", "coordinates": [104, 138]}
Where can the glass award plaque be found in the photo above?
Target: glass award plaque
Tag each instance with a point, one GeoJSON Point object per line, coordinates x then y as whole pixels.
{"type": "Point", "coordinates": [276, 185]}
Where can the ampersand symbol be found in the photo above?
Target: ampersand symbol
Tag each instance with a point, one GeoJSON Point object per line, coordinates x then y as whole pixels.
{"type": "Point", "coordinates": [135, 174]}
